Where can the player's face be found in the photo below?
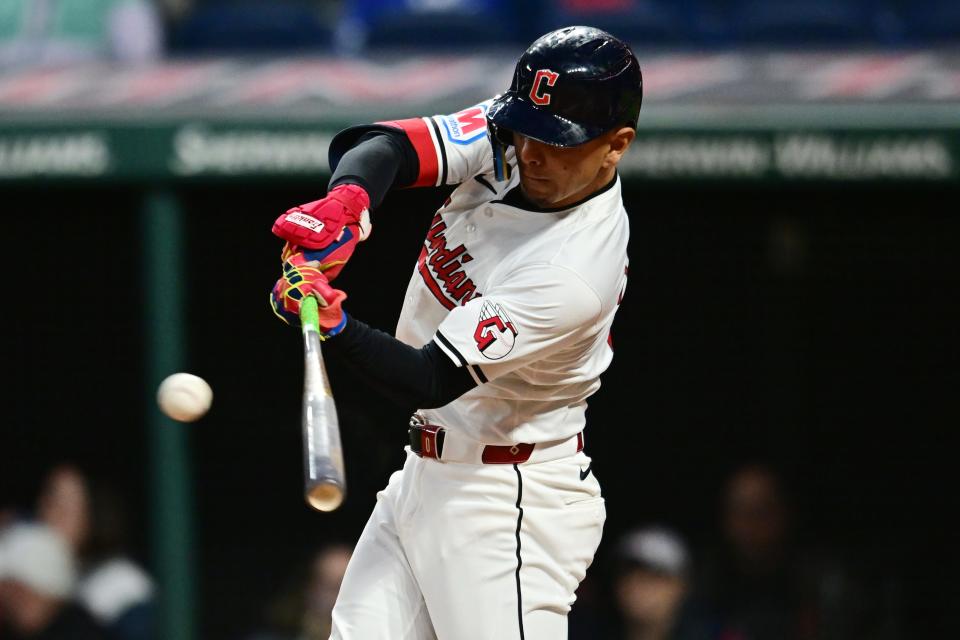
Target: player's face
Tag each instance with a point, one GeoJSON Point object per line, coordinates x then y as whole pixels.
{"type": "Point", "coordinates": [559, 176]}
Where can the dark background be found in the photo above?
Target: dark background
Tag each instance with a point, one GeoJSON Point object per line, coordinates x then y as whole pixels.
{"type": "Point", "coordinates": [813, 326]}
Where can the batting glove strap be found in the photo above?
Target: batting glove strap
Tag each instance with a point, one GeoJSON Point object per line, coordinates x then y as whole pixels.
{"type": "Point", "coordinates": [329, 333]}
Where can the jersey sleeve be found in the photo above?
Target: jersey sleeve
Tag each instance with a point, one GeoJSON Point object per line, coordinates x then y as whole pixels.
{"type": "Point", "coordinates": [539, 311]}
{"type": "Point", "coordinates": [451, 148]}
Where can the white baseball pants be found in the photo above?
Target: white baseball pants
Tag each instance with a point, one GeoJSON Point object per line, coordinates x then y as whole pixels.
{"type": "Point", "coordinates": [457, 551]}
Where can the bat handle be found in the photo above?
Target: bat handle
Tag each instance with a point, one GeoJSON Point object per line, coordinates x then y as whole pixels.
{"type": "Point", "coordinates": [309, 315]}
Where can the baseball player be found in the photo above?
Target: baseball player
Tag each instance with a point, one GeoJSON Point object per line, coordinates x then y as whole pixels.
{"type": "Point", "coordinates": [492, 522]}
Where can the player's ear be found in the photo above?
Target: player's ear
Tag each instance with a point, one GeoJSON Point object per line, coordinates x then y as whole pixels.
{"type": "Point", "coordinates": [619, 141]}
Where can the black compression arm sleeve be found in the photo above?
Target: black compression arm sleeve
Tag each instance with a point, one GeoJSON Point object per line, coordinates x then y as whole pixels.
{"type": "Point", "coordinates": [378, 162]}
{"type": "Point", "coordinates": [414, 378]}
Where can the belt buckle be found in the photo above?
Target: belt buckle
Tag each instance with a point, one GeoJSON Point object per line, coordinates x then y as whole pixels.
{"type": "Point", "coordinates": [422, 435]}
{"type": "Point", "coordinates": [414, 433]}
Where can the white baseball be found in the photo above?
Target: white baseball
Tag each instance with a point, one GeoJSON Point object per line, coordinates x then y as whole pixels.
{"type": "Point", "coordinates": [184, 397]}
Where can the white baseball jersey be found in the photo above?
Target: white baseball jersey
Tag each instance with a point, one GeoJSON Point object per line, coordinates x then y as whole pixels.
{"type": "Point", "coordinates": [524, 299]}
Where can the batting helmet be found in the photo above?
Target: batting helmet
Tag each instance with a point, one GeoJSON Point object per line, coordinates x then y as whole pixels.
{"type": "Point", "coordinates": [569, 87]}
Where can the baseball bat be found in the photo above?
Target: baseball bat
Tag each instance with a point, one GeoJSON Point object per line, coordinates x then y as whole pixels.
{"type": "Point", "coordinates": [325, 482]}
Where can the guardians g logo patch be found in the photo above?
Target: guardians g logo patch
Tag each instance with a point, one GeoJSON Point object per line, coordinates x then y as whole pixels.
{"type": "Point", "coordinates": [495, 334]}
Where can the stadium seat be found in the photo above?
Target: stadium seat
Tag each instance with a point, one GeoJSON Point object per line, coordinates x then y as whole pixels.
{"type": "Point", "coordinates": [251, 26]}
{"type": "Point", "coordinates": [929, 21]}
{"type": "Point", "coordinates": [639, 22]}
{"type": "Point", "coordinates": [428, 24]}
{"type": "Point", "coordinates": [797, 22]}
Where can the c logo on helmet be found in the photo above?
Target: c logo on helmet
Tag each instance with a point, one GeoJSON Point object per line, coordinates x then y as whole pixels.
{"type": "Point", "coordinates": [541, 97]}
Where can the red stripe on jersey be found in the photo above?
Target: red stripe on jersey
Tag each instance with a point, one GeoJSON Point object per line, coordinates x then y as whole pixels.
{"type": "Point", "coordinates": [432, 284]}
{"type": "Point", "coordinates": [419, 135]}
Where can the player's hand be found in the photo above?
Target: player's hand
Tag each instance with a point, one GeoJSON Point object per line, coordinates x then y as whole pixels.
{"type": "Point", "coordinates": [327, 230]}
{"type": "Point", "coordinates": [329, 261]}
{"type": "Point", "coordinates": [302, 278]}
{"type": "Point", "coordinates": [333, 223]}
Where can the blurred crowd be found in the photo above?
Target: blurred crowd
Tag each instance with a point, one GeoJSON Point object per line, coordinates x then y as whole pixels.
{"type": "Point", "coordinates": [755, 581]}
{"type": "Point", "coordinates": [65, 573]}
{"type": "Point", "coordinates": [60, 31]}
{"type": "Point", "coordinates": [137, 31]}
{"type": "Point", "coordinates": [65, 569]}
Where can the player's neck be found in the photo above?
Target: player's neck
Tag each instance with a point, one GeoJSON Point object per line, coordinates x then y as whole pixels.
{"type": "Point", "coordinates": [600, 183]}
{"type": "Point", "coordinates": [516, 197]}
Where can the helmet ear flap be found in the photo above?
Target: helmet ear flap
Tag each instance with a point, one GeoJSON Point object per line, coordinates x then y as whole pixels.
{"type": "Point", "coordinates": [499, 134]}
{"type": "Point", "coordinates": [500, 139]}
{"type": "Point", "coordinates": [505, 136]}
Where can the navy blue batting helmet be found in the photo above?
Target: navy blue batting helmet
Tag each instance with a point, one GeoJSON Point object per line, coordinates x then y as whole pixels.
{"type": "Point", "coordinates": [569, 87]}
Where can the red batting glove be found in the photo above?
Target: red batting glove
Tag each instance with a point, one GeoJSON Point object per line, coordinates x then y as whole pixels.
{"type": "Point", "coordinates": [318, 224]}
{"type": "Point", "coordinates": [301, 279]}
{"type": "Point", "coordinates": [330, 260]}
